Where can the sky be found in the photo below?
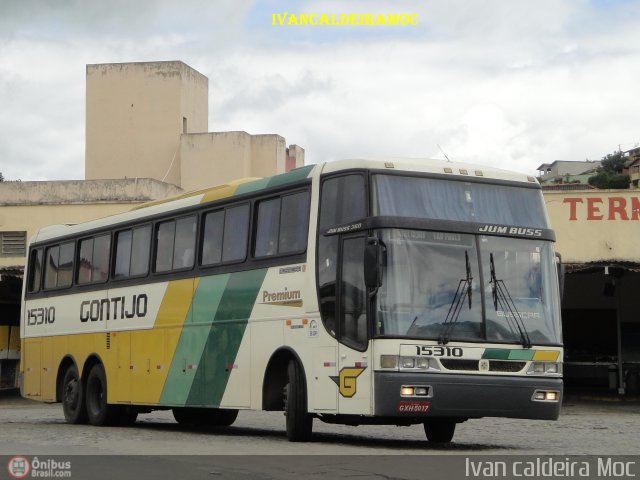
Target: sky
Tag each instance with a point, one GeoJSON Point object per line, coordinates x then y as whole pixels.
{"type": "Point", "coordinates": [505, 83]}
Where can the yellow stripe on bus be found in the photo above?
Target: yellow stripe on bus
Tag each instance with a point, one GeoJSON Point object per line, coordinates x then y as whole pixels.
{"type": "Point", "coordinates": [546, 356]}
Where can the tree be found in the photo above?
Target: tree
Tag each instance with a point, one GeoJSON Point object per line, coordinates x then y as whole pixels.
{"type": "Point", "coordinates": [605, 179]}
{"type": "Point", "coordinates": [610, 175]}
{"type": "Point", "coordinates": [613, 162]}
{"type": "Point", "coordinates": [1, 177]}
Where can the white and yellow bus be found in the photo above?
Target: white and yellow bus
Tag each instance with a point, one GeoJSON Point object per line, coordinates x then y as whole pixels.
{"type": "Point", "coordinates": [358, 292]}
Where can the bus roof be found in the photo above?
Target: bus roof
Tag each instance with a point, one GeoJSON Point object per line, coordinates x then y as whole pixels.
{"type": "Point", "coordinates": [426, 165]}
{"type": "Point", "coordinates": [457, 170]}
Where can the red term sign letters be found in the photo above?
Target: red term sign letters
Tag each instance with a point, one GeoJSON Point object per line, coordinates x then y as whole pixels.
{"type": "Point", "coordinates": [612, 208]}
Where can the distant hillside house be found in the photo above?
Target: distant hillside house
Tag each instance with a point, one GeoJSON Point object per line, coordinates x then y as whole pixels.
{"type": "Point", "coordinates": [565, 171]}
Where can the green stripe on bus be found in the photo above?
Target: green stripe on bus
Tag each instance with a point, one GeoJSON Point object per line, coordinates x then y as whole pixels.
{"type": "Point", "coordinates": [275, 181]}
{"type": "Point", "coordinates": [496, 354]}
{"type": "Point", "coordinates": [193, 338]}
{"type": "Point", "coordinates": [290, 177]}
{"type": "Point", "coordinates": [521, 354]}
{"type": "Point", "coordinates": [224, 338]}
{"type": "Point", "coordinates": [252, 186]}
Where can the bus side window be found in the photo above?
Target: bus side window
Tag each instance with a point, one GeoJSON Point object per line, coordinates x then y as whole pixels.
{"type": "Point", "coordinates": [123, 254]}
{"type": "Point", "coordinates": [176, 244]}
{"type": "Point", "coordinates": [132, 252]}
{"type": "Point", "coordinates": [268, 227]}
{"type": "Point", "coordinates": [294, 223]}
{"type": "Point", "coordinates": [236, 233]}
{"type": "Point", "coordinates": [93, 260]}
{"type": "Point", "coordinates": [185, 244]}
{"type": "Point", "coordinates": [225, 235]}
{"type": "Point", "coordinates": [343, 199]}
{"type": "Point", "coordinates": [140, 251]}
{"type": "Point", "coordinates": [212, 238]}
{"type": "Point", "coordinates": [165, 235]}
{"type": "Point", "coordinates": [283, 225]}
{"type": "Point", "coordinates": [58, 271]}
{"type": "Point", "coordinates": [35, 271]}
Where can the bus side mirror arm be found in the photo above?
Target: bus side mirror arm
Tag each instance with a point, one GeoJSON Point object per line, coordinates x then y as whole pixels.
{"type": "Point", "coordinates": [372, 270]}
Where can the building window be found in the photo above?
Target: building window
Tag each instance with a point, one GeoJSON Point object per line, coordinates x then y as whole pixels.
{"type": "Point", "coordinates": [13, 244]}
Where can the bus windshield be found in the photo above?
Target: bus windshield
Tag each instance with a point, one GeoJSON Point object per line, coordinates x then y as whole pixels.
{"type": "Point", "coordinates": [445, 199]}
{"type": "Point", "coordinates": [460, 287]}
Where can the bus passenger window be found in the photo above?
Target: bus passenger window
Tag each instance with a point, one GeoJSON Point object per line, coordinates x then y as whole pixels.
{"type": "Point", "coordinates": [236, 234]}
{"type": "Point", "coordinates": [212, 238]}
{"type": "Point", "coordinates": [65, 266]}
{"type": "Point", "coordinates": [93, 260]}
{"type": "Point", "coordinates": [123, 254]}
{"type": "Point", "coordinates": [185, 243]}
{"type": "Point", "coordinates": [85, 261]}
{"type": "Point", "coordinates": [164, 251]}
{"type": "Point", "coordinates": [268, 226]}
{"type": "Point", "coordinates": [294, 223]}
{"type": "Point", "coordinates": [58, 271]}
{"type": "Point", "coordinates": [140, 251]}
{"type": "Point", "coordinates": [176, 243]}
{"type": "Point", "coordinates": [51, 267]}
{"type": "Point", "coordinates": [35, 271]}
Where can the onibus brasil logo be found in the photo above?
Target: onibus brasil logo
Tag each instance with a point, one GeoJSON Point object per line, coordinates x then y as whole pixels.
{"type": "Point", "coordinates": [21, 467]}
{"type": "Point", "coordinates": [18, 467]}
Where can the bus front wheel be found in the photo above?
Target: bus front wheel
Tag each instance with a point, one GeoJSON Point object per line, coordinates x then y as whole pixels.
{"type": "Point", "coordinates": [73, 404]}
{"type": "Point", "coordinates": [439, 430]}
{"type": "Point", "coordinates": [299, 421]}
{"type": "Point", "coordinates": [98, 410]}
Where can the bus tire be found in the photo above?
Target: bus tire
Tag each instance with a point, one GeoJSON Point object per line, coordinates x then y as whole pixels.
{"type": "Point", "coordinates": [299, 421]}
{"type": "Point", "coordinates": [127, 415]}
{"type": "Point", "coordinates": [218, 417]}
{"type": "Point", "coordinates": [439, 430]}
{"type": "Point", "coordinates": [73, 402]}
{"type": "Point", "coordinates": [100, 413]}
{"type": "Point", "coordinates": [211, 417]}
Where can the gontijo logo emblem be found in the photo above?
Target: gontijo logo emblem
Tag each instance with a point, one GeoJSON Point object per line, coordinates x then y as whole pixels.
{"type": "Point", "coordinates": [18, 467]}
{"type": "Point", "coordinates": [346, 381]}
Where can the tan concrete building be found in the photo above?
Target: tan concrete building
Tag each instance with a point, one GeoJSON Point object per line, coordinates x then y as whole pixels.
{"type": "Point", "coordinates": [146, 139]}
{"type": "Point", "coordinates": [150, 120]}
{"type": "Point", "coordinates": [597, 235]}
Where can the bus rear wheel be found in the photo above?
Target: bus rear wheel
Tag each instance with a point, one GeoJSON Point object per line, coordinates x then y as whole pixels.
{"type": "Point", "coordinates": [212, 417]}
{"type": "Point", "coordinates": [299, 421]}
{"type": "Point", "coordinates": [98, 410]}
{"type": "Point", "coordinates": [439, 430]}
{"type": "Point", "coordinates": [73, 404]}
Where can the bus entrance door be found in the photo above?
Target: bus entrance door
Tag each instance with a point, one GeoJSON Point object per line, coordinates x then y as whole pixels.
{"type": "Point", "coordinates": [354, 369]}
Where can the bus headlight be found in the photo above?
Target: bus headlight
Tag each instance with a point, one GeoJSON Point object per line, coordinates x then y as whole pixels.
{"type": "Point", "coordinates": [389, 361]}
{"type": "Point", "coordinates": [422, 362]}
{"type": "Point", "coordinates": [408, 362]}
{"type": "Point", "coordinates": [542, 368]}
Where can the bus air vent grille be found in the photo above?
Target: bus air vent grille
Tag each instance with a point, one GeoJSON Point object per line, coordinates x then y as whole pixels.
{"type": "Point", "coordinates": [473, 365]}
{"type": "Point", "coordinates": [456, 364]}
{"type": "Point", "coordinates": [108, 340]}
{"type": "Point", "coordinates": [506, 366]}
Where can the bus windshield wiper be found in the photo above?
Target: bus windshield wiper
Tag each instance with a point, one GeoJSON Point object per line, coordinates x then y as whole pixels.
{"type": "Point", "coordinates": [463, 291]}
{"type": "Point", "coordinates": [502, 298]}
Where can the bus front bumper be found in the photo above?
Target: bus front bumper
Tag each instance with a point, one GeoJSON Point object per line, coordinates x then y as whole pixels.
{"type": "Point", "coordinates": [466, 396]}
